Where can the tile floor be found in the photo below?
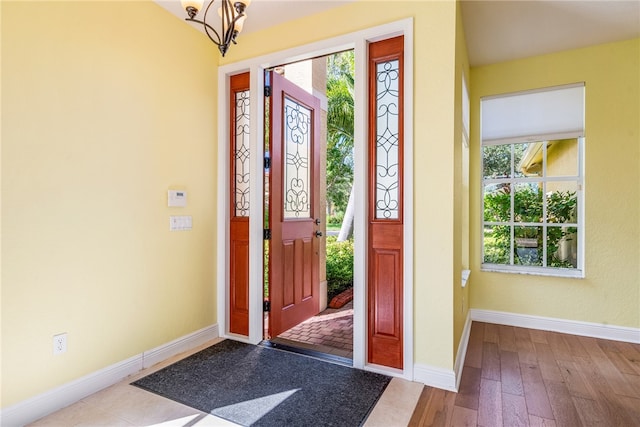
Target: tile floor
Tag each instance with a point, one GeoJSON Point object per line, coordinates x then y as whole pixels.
{"type": "Point", "coordinates": [125, 405]}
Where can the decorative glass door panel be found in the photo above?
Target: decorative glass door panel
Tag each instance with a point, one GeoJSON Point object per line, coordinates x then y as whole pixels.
{"type": "Point", "coordinates": [387, 150]}
{"type": "Point", "coordinates": [241, 153]}
{"type": "Point", "coordinates": [297, 177]}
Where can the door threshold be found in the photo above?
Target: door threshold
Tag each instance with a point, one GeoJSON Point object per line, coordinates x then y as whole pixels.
{"type": "Point", "coordinates": [327, 357]}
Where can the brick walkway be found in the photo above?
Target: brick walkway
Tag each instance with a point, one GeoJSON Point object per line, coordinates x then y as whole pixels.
{"type": "Point", "coordinates": [328, 332]}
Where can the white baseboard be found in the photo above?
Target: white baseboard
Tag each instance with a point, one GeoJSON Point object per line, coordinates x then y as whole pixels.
{"type": "Point", "coordinates": [445, 378]}
{"type": "Point", "coordinates": [574, 327]}
{"type": "Point", "coordinates": [53, 400]}
{"type": "Point", "coordinates": [180, 345]}
{"type": "Point", "coordinates": [462, 350]}
{"type": "Point", "coordinates": [450, 379]}
{"type": "Point", "coordinates": [48, 402]}
{"type": "Point", "coordinates": [434, 376]}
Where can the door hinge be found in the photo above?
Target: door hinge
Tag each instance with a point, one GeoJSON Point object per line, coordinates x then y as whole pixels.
{"type": "Point", "coordinates": [266, 306]}
{"type": "Point", "coordinates": [266, 234]}
{"type": "Point", "coordinates": [267, 162]}
{"type": "Point", "coordinates": [267, 91]}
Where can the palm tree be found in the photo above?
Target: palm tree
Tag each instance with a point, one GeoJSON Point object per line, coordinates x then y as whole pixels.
{"type": "Point", "coordinates": [340, 125]}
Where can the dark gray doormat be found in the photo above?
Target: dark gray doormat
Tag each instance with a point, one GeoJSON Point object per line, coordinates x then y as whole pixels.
{"type": "Point", "coordinates": [257, 386]}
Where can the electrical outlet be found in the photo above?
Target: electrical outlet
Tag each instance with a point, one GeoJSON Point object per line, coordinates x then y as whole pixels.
{"type": "Point", "coordinates": [60, 343]}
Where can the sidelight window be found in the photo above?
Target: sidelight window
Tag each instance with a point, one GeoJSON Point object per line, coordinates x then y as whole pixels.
{"type": "Point", "coordinates": [387, 135]}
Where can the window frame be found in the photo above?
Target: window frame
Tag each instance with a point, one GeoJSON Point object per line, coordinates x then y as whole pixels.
{"type": "Point", "coordinates": [543, 180]}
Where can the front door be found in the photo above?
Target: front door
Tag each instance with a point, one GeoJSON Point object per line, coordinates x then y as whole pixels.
{"type": "Point", "coordinates": [294, 205]}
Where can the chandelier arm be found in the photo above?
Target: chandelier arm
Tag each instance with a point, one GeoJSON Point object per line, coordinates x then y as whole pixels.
{"type": "Point", "coordinates": [228, 17]}
{"type": "Point", "coordinates": [233, 31]}
{"type": "Point", "coordinates": [207, 28]}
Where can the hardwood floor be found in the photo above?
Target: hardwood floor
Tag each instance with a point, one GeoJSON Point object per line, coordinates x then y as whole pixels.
{"type": "Point", "coordinates": [524, 377]}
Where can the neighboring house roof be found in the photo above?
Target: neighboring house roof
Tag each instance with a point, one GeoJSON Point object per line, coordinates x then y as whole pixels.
{"type": "Point", "coordinates": [531, 162]}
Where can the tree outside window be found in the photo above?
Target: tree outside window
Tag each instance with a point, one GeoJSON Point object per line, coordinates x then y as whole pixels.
{"type": "Point", "coordinates": [530, 205]}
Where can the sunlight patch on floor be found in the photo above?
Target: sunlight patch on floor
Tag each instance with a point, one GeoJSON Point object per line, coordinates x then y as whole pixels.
{"type": "Point", "coordinates": [250, 411]}
{"type": "Point", "coordinates": [196, 420]}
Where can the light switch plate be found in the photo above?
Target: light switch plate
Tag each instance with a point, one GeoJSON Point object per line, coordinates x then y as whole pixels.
{"type": "Point", "coordinates": [180, 222]}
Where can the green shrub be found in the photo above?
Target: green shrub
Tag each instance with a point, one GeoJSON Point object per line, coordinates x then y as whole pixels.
{"type": "Point", "coordinates": [339, 266]}
{"type": "Point", "coordinates": [528, 203]}
{"type": "Point", "coordinates": [335, 219]}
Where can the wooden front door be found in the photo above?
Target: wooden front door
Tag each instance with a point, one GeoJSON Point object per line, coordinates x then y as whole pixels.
{"type": "Point", "coordinates": [294, 205]}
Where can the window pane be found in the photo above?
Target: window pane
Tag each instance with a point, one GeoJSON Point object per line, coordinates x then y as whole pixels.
{"type": "Point", "coordinates": [497, 202]}
{"type": "Point", "coordinates": [297, 200]}
{"type": "Point", "coordinates": [496, 161]}
{"type": "Point", "coordinates": [527, 203]}
{"type": "Point", "coordinates": [527, 249]}
{"type": "Point", "coordinates": [562, 202]}
{"type": "Point", "coordinates": [241, 153]}
{"type": "Point", "coordinates": [387, 138]}
{"type": "Point", "coordinates": [497, 244]}
{"type": "Point", "coordinates": [530, 199]}
{"type": "Point", "coordinates": [562, 157]}
{"type": "Point", "coordinates": [562, 247]}
{"type": "Point", "coordinates": [528, 159]}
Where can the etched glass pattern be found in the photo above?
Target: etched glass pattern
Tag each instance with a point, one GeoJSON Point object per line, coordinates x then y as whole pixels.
{"type": "Point", "coordinates": [241, 154]}
{"type": "Point", "coordinates": [387, 140]}
{"type": "Point", "coordinates": [297, 145]}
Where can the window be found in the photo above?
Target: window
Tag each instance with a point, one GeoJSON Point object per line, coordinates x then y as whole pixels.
{"type": "Point", "coordinates": [532, 189]}
{"type": "Point", "coordinates": [466, 108]}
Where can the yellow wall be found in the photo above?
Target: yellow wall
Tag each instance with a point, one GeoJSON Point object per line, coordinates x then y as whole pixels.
{"type": "Point", "coordinates": [437, 260]}
{"type": "Point", "coordinates": [461, 192]}
{"type": "Point", "coordinates": [105, 106]}
{"type": "Point", "coordinates": [610, 293]}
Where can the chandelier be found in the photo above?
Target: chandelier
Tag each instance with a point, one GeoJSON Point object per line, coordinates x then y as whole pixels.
{"type": "Point", "coordinates": [232, 17]}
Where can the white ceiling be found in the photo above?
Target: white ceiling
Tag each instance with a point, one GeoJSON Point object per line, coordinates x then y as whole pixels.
{"type": "Point", "coordinates": [496, 30]}
{"type": "Point", "coordinates": [262, 14]}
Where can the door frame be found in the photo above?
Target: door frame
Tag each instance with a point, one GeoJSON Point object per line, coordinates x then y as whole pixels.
{"type": "Point", "coordinates": [358, 41]}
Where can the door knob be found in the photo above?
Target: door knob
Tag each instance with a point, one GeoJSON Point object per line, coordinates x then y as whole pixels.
{"type": "Point", "coordinates": [318, 233]}
{"type": "Point", "coordinates": [317, 221]}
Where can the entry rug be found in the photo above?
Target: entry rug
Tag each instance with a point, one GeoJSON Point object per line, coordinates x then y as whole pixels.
{"type": "Point", "coordinates": [258, 386]}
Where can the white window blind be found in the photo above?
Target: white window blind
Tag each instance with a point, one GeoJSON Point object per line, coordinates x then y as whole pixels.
{"type": "Point", "coordinates": [533, 115]}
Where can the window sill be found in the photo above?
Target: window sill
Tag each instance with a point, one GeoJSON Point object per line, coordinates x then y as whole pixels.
{"type": "Point", "coordinates": [465, 277]}
{"type": "Point", "coordinates": [572, 274]}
